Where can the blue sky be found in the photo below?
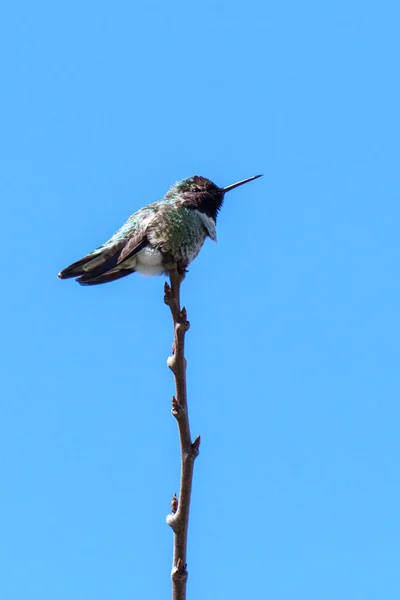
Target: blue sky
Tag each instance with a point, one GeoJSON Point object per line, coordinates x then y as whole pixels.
{"type": "Point", "coordinates": [293, 353]}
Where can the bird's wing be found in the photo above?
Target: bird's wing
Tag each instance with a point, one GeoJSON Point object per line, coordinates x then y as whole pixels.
{"type": "Point", "coordinates": [104, 259]}
{"type": "Point", "coordinates": [126, 242]}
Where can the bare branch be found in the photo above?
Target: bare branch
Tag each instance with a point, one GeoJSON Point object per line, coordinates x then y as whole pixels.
{"type": "Point", "coordinates": [178, 520]}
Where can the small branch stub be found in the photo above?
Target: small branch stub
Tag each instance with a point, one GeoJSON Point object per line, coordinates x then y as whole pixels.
{"type": "Point", "coordinates": [179, 577]}
{"type": "Point", "coordinates": [176, 407]}
{"type": "Point", "coordinates": [181, 567]}
{"type": "Point", "coordinates": [184, 320]}
{"type": "Point", "coordinates": [167, 292]}
{"type": "Point", "coordinates": [174, 504]}
{"type": "Point", "coordinates": [196, 445]}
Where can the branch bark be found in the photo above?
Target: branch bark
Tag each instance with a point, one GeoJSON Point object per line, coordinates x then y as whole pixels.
{"type": "Point", "coordinates": [178, 520]}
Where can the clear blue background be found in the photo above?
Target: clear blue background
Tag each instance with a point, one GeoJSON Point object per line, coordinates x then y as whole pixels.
{"type": "Point", "coordinates": [293, 353]}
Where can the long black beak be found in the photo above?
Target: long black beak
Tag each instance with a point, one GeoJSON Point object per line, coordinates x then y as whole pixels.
{"type": "Point", "coordinates": [228, 188]}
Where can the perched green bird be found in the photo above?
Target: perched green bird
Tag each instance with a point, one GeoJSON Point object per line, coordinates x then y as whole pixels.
{"type": "Point", "coordinates": [168, 232]}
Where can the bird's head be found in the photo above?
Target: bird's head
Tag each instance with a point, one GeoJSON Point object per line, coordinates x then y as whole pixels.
{"type": "Point", "coordinates": [201, 193]}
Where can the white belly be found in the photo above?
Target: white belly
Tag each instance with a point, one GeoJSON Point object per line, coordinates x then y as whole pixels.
{"type": "Point", "coordinates": [149, 262]}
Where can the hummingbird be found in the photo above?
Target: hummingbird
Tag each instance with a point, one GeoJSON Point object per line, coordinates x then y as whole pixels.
{"type": "Point", "coordinates": [169, 232]}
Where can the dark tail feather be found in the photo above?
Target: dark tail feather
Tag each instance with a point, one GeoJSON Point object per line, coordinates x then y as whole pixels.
{"type": "Point", "coordinates": [76, 268]}
{"type": "Point", "coordinates": [104, 260]}
{"type": "Point", "coordinates": [106, 278]}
